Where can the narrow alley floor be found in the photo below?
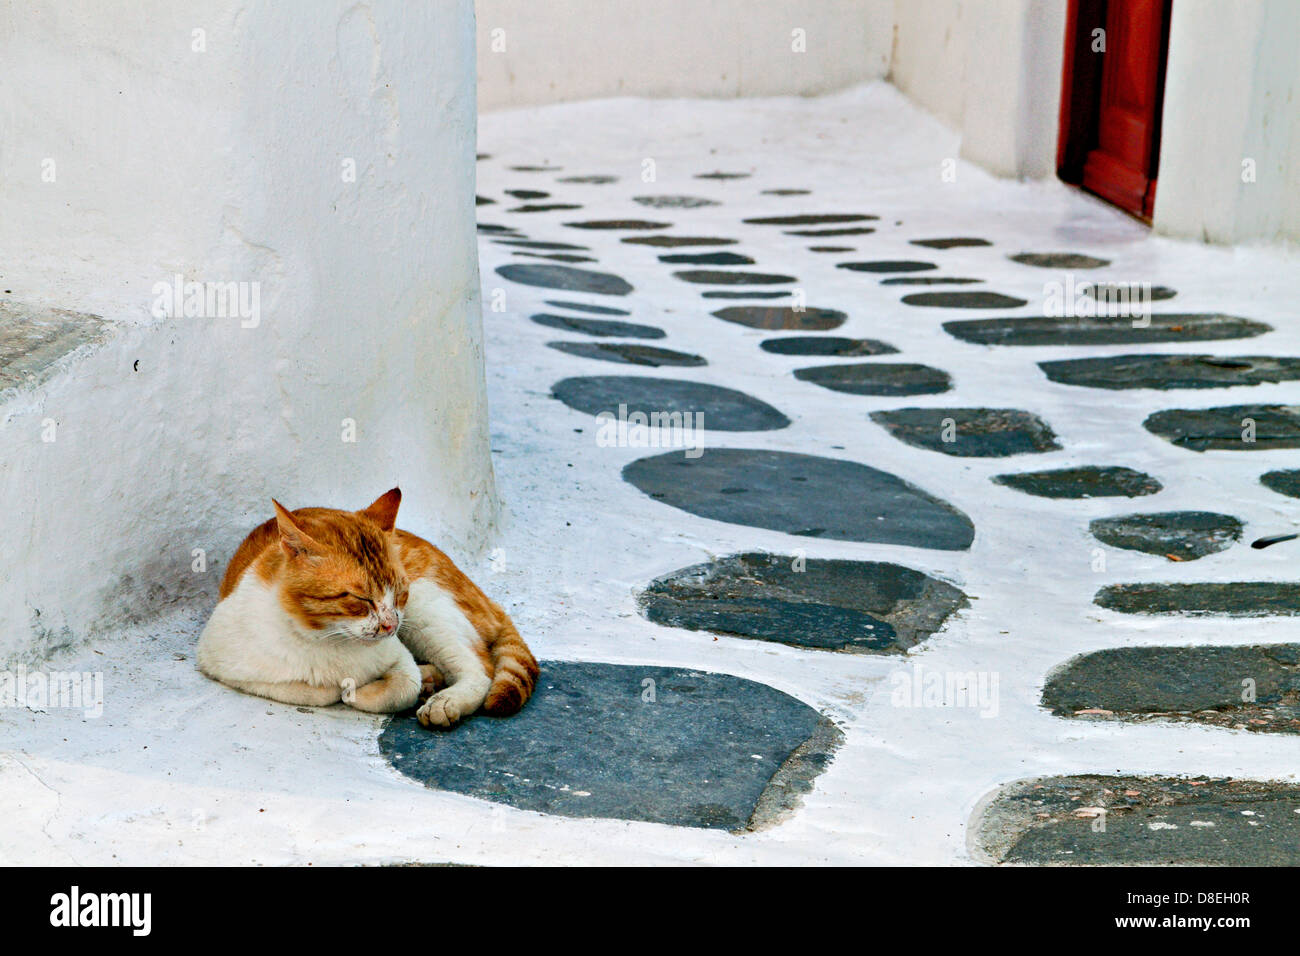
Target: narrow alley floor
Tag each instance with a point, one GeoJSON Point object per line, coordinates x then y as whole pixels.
{"type": "Point", "coordinates": [845, 528]}
{"type": "Point", "coordinates": [1000, 537]}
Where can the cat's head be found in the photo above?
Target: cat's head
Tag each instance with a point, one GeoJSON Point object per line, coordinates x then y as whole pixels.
{"type": "Point", "coordinates": [341, 575]}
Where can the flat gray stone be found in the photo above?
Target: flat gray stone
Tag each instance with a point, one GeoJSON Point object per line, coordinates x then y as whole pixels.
{"type": "Point", "coordinates": [846, 231]}
{"type": "Point", "coordinates": [555, 256]}
{"type": "Point", "coordinates": [888, 265]}
{"type": "Point", "coordinates": [825, 345]}
{"type": "Point", "coordinates": [674, 202]}
{"type": "Point", "coordinates": [628, 353]}
{"type": "Point", "coordinates": [745, 294]}
{"type": "Point", "coordinates": [1254, 687]}
{"type": "Point", "coordinates": [584, 307]}
{"type": "Point", "coordinates": [963, 300]}
{"type": "Point", "coordinates": [34, 340]}
{"type": "Point", "coordinates": [955, 243]}
{"type": "Point", "coordinates": [1283, 482]}
{"type": "Point", "coordinates": [1187, 535]}
{"type": "Point", "coordinates": [1095, 330]}
{"type": "Point", "coordinates": [659, 399]}
{"type": "Point", "coordinates": [673, 242]}
{"type": "Point", "coordinates": [878, 378]}
{"type": "Point", "coordinates": [808, 319]}
{"type": "Point", "coordinates": [810, 219]}
{"type": "Point", "coordinates": [1118, 293]}
{"type": "Point", "coordinates": [602, 327]}
{"type": "Point", "coordinates": [802, 495]}
{"type": "Point", "coordinates": [1172, 371]}
{"type": "Point", "coordinates": [565, 277]}
{"type": "Point", "coordinates": [1233, 599]}
{"type": "Point", "coordinates": [729, 277]}
{"type": "Point", "coordinates": [1088, 481]}
{"type": "Point", "coordinates": [930, 280]}
{"type": "Point", "coordinates": [597, 179]}
{"type": "Point", "coordinates": [630, 742]}
{"type": "Point", "coordinates": [1226, 428]}
{"type": "Point", "coordinates": [862, 607]}
{"type": "Point", "coordinates": [538, 244]}
{"type": "Point", "coordinates": [619, 224]}
{"type": "Point", "coordinates": [974, 432]}
{"type": "Point", "coordinates": [1059, 260]}
{"type": "Point", "coordinates": [1151, 821]}
{"type": "Point", "coordinates": [544, 207]}
{"type": "Point", "coordinates": [708, 259]}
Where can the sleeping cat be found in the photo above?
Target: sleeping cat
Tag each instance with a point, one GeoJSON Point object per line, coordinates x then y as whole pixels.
{"type": "Point", "coordinates": [320, 605]}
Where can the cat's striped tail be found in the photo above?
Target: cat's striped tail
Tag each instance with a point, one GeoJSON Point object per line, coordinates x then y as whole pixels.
{"type": "Point", "coordinates": [514, 672]}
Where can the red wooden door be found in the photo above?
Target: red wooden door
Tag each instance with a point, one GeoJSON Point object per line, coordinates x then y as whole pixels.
{"type": "Point", "coordinates": [1118, 132]}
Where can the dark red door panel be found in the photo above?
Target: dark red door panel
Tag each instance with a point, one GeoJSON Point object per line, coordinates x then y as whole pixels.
{"type": "Point", "coordinates": [1116, 103]}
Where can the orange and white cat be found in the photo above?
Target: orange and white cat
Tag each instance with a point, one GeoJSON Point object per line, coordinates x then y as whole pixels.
{"type": "Point", "coordinates": [320, 606]}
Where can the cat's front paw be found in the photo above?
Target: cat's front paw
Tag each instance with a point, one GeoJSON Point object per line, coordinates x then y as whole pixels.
{"type": "Point", "coordinates": [440, 710]}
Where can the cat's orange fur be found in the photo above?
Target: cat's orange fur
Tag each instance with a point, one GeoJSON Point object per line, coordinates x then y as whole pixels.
{"type": "Point", "coordinates": [363, 553]}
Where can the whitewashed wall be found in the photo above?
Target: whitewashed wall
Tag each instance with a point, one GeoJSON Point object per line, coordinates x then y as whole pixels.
{"type": "Point", "coordinates": [990, 69]}
{"type": "Point", "coordinates": [546, 51]}
{"type": "Point", "coordinates": [1230, 148]}
{"type": "Point", "coordinates": [229, 163]}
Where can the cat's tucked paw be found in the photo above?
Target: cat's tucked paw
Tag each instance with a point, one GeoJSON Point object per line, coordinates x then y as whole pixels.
{"type": "Point", "coordinates": [431, 680]}
{"type": "Point", "coordinates": [440, 710]}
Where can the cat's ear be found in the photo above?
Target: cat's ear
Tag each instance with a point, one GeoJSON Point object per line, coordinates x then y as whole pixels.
{"type": "Point", "coordinates": [383, 511]}
{"type": "Point", "coordinates": [293, 540]}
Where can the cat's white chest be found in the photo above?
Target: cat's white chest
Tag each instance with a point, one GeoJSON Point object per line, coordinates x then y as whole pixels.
{"type": "Point", "coordinates": [250, 637]}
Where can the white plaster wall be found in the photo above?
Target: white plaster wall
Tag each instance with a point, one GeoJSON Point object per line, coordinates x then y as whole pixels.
{"type": "Point", "coordinates": [1232, 94]}
{"type": "Point", "coordinates": [559, 50]}
{"type": "Point", "coordinates": [929, 56]}
{"type": "Point", "coordinates": [227, 165]}
{"type": "Point", "coordinates": [990, 69]}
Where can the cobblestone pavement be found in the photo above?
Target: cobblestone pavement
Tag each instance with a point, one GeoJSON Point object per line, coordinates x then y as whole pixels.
{"type": "Point", "coordinates": [783, 392]}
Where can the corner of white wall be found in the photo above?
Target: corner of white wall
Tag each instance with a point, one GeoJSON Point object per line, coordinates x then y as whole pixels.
{"type": "Point", "coordinates": [991, 69]}
{"type": "Point", "coordinates": [229, 165]}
